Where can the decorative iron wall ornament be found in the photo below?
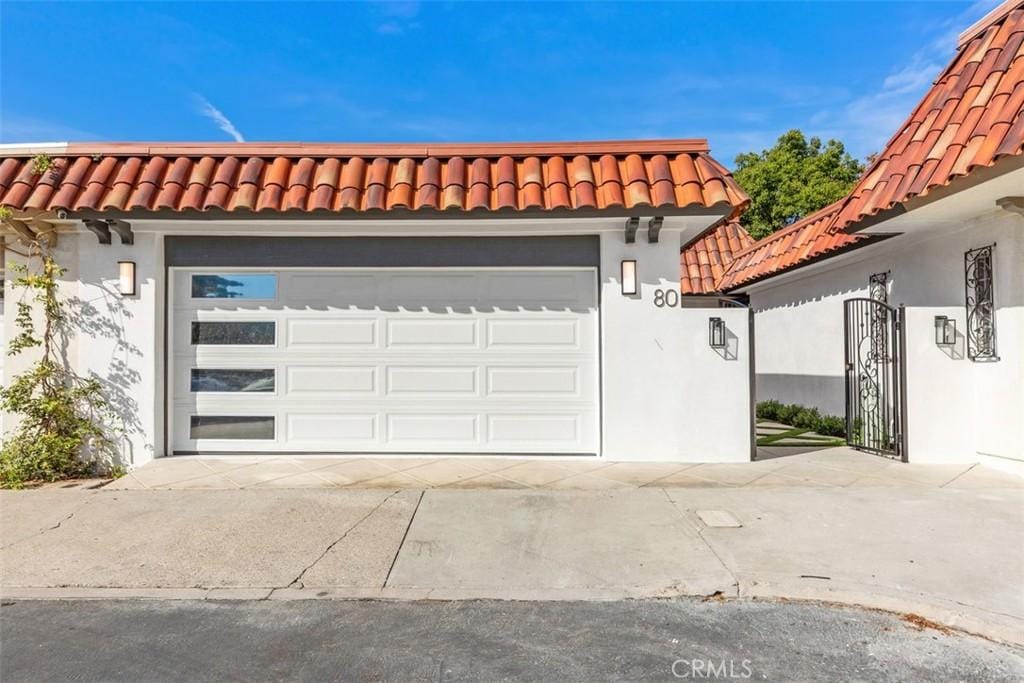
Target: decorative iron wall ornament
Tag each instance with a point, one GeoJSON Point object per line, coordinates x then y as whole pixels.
{"type": "Point", "coordinates": [981, 307]}
{"type": "Point", "coordinates": [878, 287]}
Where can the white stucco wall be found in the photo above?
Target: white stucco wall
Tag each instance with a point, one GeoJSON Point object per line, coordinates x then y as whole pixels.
{"type": "Point", "coordinates": [958, 410]}
{"type": "Point", "coordinates": [121, 338]}
{"type": "Point", "coordinates": [665, 394]}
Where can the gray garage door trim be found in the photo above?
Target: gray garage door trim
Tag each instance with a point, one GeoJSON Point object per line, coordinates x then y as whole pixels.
{"type": "Point", "coordinates": [382, 252]}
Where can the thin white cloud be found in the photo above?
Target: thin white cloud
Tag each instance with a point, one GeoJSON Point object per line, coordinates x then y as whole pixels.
{"type": "Point", "coordinates": [866, 122]}
{"type": "Point", "coordinates": [217, 116]}
{"type": "Point", "coordinates": [15, 127]}
{"type": "Point", "coordinates": [399, 17]}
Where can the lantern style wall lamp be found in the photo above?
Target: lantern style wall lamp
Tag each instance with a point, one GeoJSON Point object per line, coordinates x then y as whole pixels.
{"type": "Point", "coordinates": [126, 278]}
{"type": "Point", "coordinates": [945, 331]}
{"type": "Point", "coordinates": [716, 333]}
{"type": "Point", "coordinates": [629, 282]}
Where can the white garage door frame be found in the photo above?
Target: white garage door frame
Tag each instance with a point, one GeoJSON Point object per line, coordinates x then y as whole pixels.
{"type": "Point", "coordinates": [179, 366]}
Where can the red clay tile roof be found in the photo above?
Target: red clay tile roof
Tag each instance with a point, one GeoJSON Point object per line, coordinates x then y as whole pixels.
{"type": "Point", "coordinates": [807, 239]}
{"type": "Point", "coordinates": [972, 117]}
{"type": "Point", "coordinates": [705, 259]}
{"type": "Point", "coordinates": [271, 177]}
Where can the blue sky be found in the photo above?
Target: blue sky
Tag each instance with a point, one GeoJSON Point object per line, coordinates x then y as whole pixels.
{"type": "Point", "coordinates": [738, 74]}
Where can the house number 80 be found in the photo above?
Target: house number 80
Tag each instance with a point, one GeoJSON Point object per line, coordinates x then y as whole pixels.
{"type": "Point", "coordinates": [666, 297]}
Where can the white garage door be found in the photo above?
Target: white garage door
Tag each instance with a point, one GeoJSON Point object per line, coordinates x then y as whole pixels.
{"type": "Point", "coordinates": [402, 360]}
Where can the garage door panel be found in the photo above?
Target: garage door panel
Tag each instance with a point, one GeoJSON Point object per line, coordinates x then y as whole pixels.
{"type": "Point", "coordinates": [415, 291]}
{"type": "Point", "coordinates": [438, 333]}
{"type": "Point", "coordinates": [330, 380]}
{"type": "Point", "coordinates": [319, 429]}
{"type": "Point", "coordinates": [419, 380]}
{"type": "Point", "coordinates": [534, 428]}
{"type": "Point", "coordinates": [534, 291]}
{"type": "Point", "coordinates": [342, 290]}
{"type": "Point", "coordinates": [533, 333]}
{"type": "Point", "coordinates": [353, 333]}
{"type": "Point", "coordinates": [522, 381]}
{"type": "Point", "coordinates": [438, 429]}
{"type": "Point", "coordinates": [399, 361]}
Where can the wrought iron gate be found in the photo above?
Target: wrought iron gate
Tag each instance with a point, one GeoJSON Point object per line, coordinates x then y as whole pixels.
{"type": "Point", "coordinates": [875, 386]}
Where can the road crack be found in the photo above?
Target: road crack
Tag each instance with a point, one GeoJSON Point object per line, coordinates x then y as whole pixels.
{"type": "Point", "coordinates": [297, 581]}
{"type": "Point", "coordinates": [700, 535]}
{"type": "Point", "coordinates": [60, 522]}
{"type": "Point", "coordinates": [401, 544]}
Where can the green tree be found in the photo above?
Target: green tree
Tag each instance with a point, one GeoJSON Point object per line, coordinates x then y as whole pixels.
{"type": "Point", "coordinates": [794, 178]}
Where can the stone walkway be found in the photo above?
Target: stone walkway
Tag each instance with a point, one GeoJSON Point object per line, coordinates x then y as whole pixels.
{"type": "Point", "coordinates": [804, 439]}
{"type": "Point", "coordinates": [786, 467]}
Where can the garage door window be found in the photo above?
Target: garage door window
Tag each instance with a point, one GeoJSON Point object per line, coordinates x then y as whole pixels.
{"type": "Point", "coordinates": [234, 286]}
{"type": "Point", "coordinates": [231, 380]}
{"type": "Point", "coordinates": [231, 427]}
{"type": "Point", "coordinates": [237, 333]}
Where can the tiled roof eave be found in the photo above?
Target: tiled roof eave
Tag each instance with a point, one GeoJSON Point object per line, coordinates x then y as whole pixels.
{"type": "Point", "coordinates": [195, 179]}
{"type": "Point", "coordinates": [866, 240]}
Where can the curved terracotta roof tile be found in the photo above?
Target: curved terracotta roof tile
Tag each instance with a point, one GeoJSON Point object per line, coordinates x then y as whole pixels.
{"type": "Point", "coordinates": [634, 170]}
{"type": "Point", "coordinates": [705, 259]}
{"type": "Point", "coordinates": [9, 169]}
{"type": "Point", "coordinates": [277, 177]}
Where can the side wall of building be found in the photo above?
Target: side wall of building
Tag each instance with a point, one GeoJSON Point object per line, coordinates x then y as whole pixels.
{"type": "Point", "coordinates": [958, 410]}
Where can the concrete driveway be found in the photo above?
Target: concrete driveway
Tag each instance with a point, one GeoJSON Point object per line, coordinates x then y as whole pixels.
{"type": "Point", "coordinates": [952, 554]}
{"type": "Point", "coordinates": [833, 467]}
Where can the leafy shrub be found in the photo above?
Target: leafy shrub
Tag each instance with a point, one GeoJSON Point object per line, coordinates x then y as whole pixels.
{"type": "Point", "coordinates": [787, 413]}
{"type": "Point", "coordinates": [807, 418]}
{"type": "Point", "coordinates": [830, 425]}
{"type": "Point", "coordinates": [768, 410]}
{"type": "Point", "coordinates": [61, 432]}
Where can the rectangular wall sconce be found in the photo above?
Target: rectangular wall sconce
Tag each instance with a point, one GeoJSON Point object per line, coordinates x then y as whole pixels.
{"type": "Point", "coordinates": [945, 331]}
{"type": "Point", "coordinates": [126, 278]}
{"type": "Point", "coordinates": [629, 283]}
{"type": "Point", "coordinates": [716, 333]}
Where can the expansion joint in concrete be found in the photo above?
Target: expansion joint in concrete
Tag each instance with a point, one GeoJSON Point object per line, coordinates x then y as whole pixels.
{"type": "Point", "coordinates": [711, 548]}
{"type": "Point", "coordinates": [297, 581]}
{"type": "Point", "coordinates": [401, 544]}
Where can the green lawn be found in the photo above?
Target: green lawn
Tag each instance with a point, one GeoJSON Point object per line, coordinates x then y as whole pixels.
{"type": "Point", "coordinates": [806, 438]}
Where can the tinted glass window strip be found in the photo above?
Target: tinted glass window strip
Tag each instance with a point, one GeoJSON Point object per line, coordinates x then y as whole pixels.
{"type": "Point", "coordinates": [231, 380]}
{"type": "Point", "coordinates": [238, 333]}
{"type": "Point", "coordinates": [248, 427]}
{"type": "Point", "coordinates": [234, 286]}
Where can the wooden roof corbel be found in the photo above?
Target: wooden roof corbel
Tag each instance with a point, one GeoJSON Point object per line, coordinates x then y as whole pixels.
{"type": "Point", "coordinates": [1013, 204]}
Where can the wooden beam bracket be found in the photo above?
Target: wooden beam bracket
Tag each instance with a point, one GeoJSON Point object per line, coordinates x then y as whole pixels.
{"type": "Point", "coordinates": [632, 225]}
{"type": "Point", "coordinates": [1014, 204]}
{"type": "Point", "coordinates": [100, 228]}
{"type": "Point", "coordinates": [123, 230]}
{"type": "Point", "coordinates": [654, 228]}
{"type": "Point", "coordinates": [25, 233]}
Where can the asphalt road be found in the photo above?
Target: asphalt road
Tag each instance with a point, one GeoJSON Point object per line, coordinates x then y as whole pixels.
{"type": "Point", "coordinates": [323, 640]}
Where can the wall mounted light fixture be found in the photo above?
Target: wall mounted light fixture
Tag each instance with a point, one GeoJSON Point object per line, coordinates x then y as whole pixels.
{"type": "Point", "coordinates": [716, 333]}
{"type": "Point", "coordinates": [945, 331]}
{"type": "Point", "coordinates": [629, 283]}
{"type": "Point", "coordinates": [126, 278]}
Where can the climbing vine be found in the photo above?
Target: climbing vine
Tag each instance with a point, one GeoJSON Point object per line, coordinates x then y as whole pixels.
{"type": "Point", "coordinates": [61, 430]}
